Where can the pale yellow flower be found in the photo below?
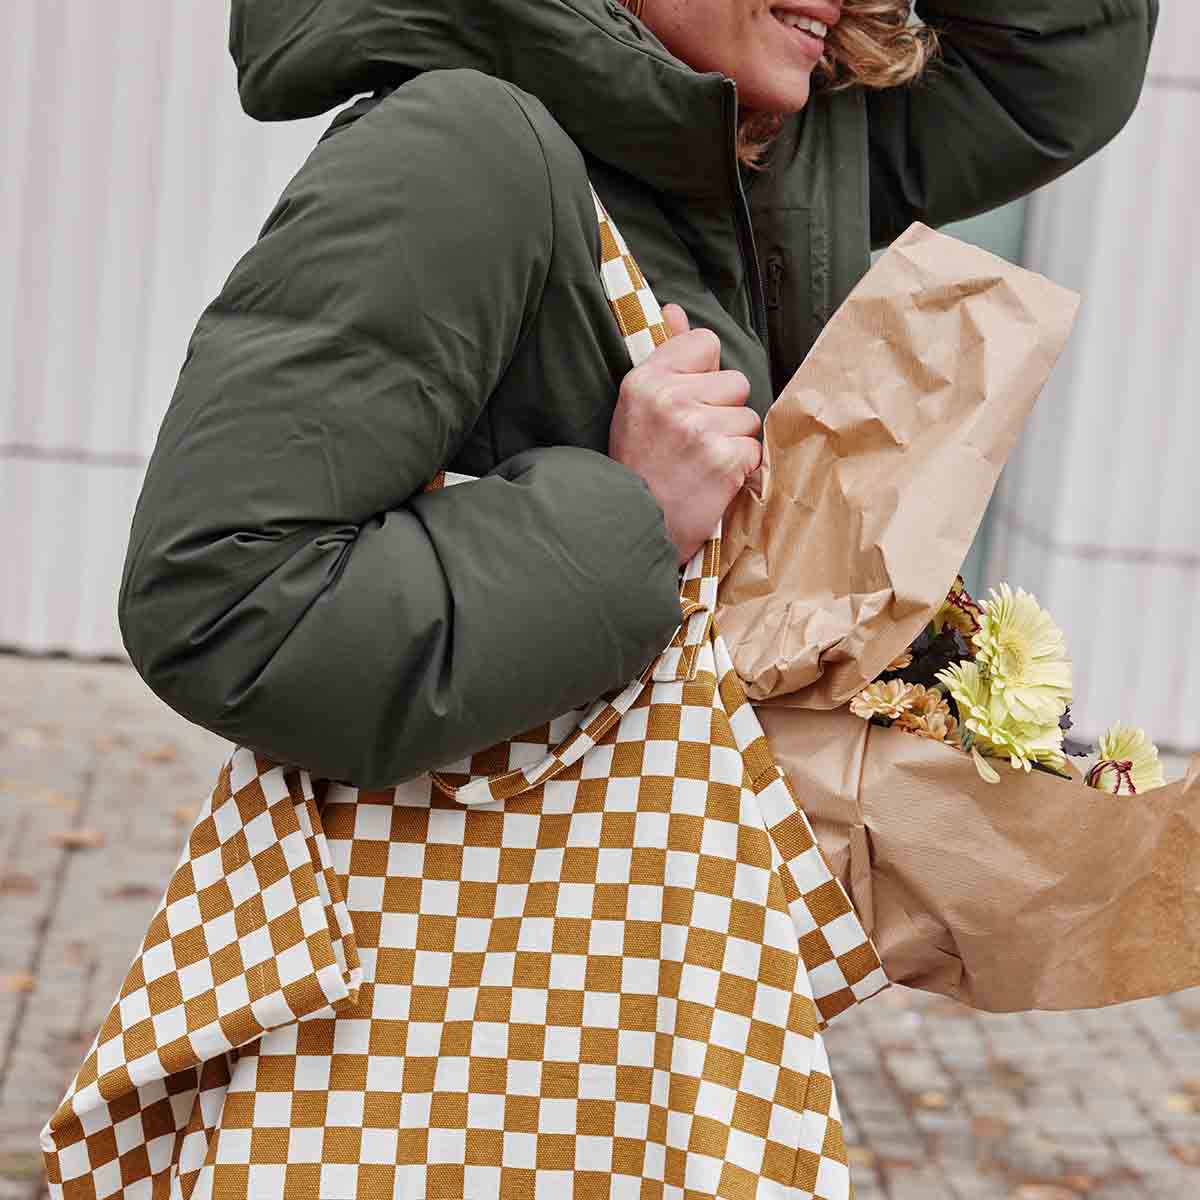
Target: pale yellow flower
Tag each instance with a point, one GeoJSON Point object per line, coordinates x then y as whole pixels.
{"type": "Point", "coordinates": [881, 699]}
{"type": "Point", "coordinates": [902, 660]}
{"type": "Point", "coordinates": [1128, 763]}
{"type": "Point", "coordinates": [990, 728]}
{"type": "Point", "coordinates": [928, 715]}
{"type": "Point", "coordinates": [1025, 658]}
{"type": "Point", "coordinates": [959, 612]}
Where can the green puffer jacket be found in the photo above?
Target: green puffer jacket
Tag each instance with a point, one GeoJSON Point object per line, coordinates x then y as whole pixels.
{"type": "Point", "coordinates": [425, 294]}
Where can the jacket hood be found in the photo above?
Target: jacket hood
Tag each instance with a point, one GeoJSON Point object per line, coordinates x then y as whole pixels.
{"type": "Point", "coordinates": [611, 84]}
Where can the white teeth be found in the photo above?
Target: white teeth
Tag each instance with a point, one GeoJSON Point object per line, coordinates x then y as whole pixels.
{"type": "Point", "coordinates": [808, 24]}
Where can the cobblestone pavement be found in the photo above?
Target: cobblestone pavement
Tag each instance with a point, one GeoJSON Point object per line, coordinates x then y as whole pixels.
{"type": "Point", "coordinates": [98, 783]}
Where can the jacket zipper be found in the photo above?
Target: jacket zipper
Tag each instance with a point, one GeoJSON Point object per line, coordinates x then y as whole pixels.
{"type": "Point", "coordinates": [741, 220]}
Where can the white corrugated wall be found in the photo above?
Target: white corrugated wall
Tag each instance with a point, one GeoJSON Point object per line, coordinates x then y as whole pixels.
{"type": "Point", "coordinates": [1099, 511]}
{"type": "Point", "coordinates": [131, 183]}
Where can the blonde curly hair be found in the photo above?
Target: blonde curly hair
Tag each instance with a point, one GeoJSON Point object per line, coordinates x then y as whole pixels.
{"type": "Point", "coordinates": [874, 45]}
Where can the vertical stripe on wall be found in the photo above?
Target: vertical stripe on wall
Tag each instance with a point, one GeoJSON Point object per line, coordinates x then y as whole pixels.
{"type": "Point", "coordinates": [1098, 512]}
{"type": "Point", "coordinates": [132, 184]}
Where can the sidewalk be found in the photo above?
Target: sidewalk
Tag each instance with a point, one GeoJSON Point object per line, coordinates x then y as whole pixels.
{"type": "Point", "coordinates": [98, 784]}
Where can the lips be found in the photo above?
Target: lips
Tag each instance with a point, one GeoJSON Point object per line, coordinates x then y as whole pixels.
{"type": "Point", "coordinates": [795, 20]}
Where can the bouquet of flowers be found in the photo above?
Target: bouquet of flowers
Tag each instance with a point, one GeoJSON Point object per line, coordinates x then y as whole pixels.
{"type": "Point", "coordinates": [978, 861]}
{"type": "Point", "coordinates": [1002, 691]}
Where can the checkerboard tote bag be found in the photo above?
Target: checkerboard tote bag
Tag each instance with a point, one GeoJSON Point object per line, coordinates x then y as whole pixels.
{"type": "Point", "coordinates": [591, 962]}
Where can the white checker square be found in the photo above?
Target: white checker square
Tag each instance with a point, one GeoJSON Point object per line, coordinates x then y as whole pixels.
{"type": "Point", "coordinates": [385, 1073]}
{"type": "Point", "coordinates": [498, 970]}
{"type": "Point", "coordinates": [745, 1150]}
{"type": "Point", "coordinates": [480, 864]}
{"type": "Point", "coordinates": [158, 961]}
{"type": "Point", "coordinates": [312, 1073]}
{"type": "Point", "coordinates": [613, 866]}
{"type": "Point", "coordinates": [833, 1180]}
{"type": "Point", "coordinates": [256, 947]}
{"type": "Point", "coordinates": [524, 1078]}
{"type": "Point", "coordinates": [593, 1153]}
{"type": "Point", "coordinates": [451, 1075]}
{"type": "Point", "coordinates": [568, 972]}
{"type": "Point", "coordinates": [485, 1112]}
{"type": "Point", "coordinates": [378, 1146]}
{"type": "Point", "coordinates": [827, 979]}
{"type": "Point", "coordinates": [273, 1110]}
{"type": "Point", "coordinates": [107, 1178]}
{"type": "Point", "coordinates": [344, 1108]}
{"type": "Point", "coordinates": [598, 763]}
{"type": "Point", "coordinates": [169, 1025]}
{"type": "Point", "coordinates": [233, 1146]}
{"type": "Point", "coordinates": [703, 1173]}
{"type": "Point", "coordinates": [710, 911]}
{"type": "Point", "coordinates": [431, 968]}
{"type": "Point", "coordinates": [843, 934]}
{"type": "Point", "coordinates": [759, 1078]}
{"type": "Point", "coordinates": [584, 829]}
{"type": "Point", "coordinates": [520, 1151]}
{"type": "Point", "coordinates": [635, 1048]}
{"type": "Point", "coordinates": [730, 1030]}
{"type": "Point", "coordinates": [601, 1010]}
{"type": "Point", "coordinates": [447, 1145]}
{"type": "Point", "coordinates": [338, 1179]}
{"type": "Point", "coordinates": [631, 1120]}
{"type": "Point", "coordinates": [640, 976]}
{"type": "Point", "coordinates": [562, 1043]}
{"type": "Point", "coordinates": [220, 932]}
{"type": "Point", "coordinates": [606, 937]}
{"type": "Point", "coordinates": [633, 725]}
{"type": "Point", "coordinates": [364, 893]}
{"type": "Point", "coordinates": [809, 870]}
{"type": "Point", "coordinates": [659, 758]}
{"type": "Point", "coordinates": [556, 1116]}
{"type": "Point", "coordinates": [415, 1108]}
{"type": "Point", "coordinates": [597, 1081]}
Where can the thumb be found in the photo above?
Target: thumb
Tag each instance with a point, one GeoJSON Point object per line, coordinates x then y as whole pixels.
{"type": "Point", "coordinates": [676, 319]}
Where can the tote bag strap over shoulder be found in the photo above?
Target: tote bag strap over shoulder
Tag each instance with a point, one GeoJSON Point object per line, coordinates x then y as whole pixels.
{"type": "Point", "coordinates": [640, 320]}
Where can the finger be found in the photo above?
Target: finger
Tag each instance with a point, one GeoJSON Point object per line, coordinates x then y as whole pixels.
{"type": "Point", "coordinates": [740, 422]}
{"type": "Point", "coordinates": [692, 352]}
{"type": "Point", "coordinates": [723, 388]}
{"type": "Point", "coordinates": [747, 453]}
{"type": "Point", "coordinates": [676, 319]}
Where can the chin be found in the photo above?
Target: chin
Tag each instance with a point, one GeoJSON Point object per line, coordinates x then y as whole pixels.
{"type": "Point", "coordinates": [776, 96]}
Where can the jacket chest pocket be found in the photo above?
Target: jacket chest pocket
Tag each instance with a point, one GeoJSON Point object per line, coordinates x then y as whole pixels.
{"type": "Point", "coordinates": [796, 284]}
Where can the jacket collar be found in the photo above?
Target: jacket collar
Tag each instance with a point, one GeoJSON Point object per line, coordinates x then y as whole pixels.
{"type": "Point", "coordinates": [614, 88]}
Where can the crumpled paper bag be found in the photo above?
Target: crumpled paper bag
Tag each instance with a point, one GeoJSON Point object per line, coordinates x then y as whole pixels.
{"type": "Point", "coordinates": [1037, 893]}
{"type": "Point", "coordinates": [879, 459]}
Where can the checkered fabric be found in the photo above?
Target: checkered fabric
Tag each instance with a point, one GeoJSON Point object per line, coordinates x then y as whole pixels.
{"type": "Point", "coordinates": [594, 961]}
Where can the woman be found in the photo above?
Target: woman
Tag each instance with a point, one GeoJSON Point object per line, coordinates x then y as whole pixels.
{"type": "Point", "coordinates": [425, 295]}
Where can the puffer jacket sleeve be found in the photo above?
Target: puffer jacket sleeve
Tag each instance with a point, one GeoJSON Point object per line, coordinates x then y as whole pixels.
{"type": "Point", "coordinates": [1023, 91]}
{"type": "Point", "coordinates": [288, 583]}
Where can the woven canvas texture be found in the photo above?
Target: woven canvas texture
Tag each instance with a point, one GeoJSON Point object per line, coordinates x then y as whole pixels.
{"type": "Point", "coordinates": [593, 961]}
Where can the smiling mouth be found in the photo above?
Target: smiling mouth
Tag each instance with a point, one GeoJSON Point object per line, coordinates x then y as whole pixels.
{"type": "Point", "coordinates": [814, 28]}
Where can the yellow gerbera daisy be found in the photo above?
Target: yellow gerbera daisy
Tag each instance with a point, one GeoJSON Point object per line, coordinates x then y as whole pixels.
{"type": "Point", "coordinates": [1128, 763]}
{"type": "Point", "coordinates": [880, 699]}
{"type": "Point", "coordinates": [1025, 657]}
{"type": "Point", "coordinates": [990, 728]}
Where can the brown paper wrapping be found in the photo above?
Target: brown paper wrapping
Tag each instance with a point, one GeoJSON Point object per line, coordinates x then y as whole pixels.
{"type": "Point", "coordinates": [1036, 893]}
{"type": "Point", "coordinates": [879, 459]}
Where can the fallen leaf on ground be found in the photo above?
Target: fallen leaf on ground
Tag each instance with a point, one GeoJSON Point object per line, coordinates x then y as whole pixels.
{"type": "Point", "coordinates": [1188, 1155]}
{"type": "Point", "coordinates": [186, 813]}
{"type": "Point", "coordinates": [164, 753]}
{"type": "Point", "coordinates": [78, 839]}
{"type": "Point", "coordinates": [17, 883]}
{"type": "Point", "coordinates": [133, 891]}
{"type": "Point", "coordinates": [21, 1164]}
{"type": "Point", "coordinates": [989, 1127]}
{"type": "Point", "coordinates": [18, 981]}
{"type": "Point", "coordinates": [860, 1156]}
{"type": "Point", "coordinates": [1044, 1191]}
{"type": "Point", "coordinates": [1180, 1102]}
{"type": "Point", "coordinates": [933, 1100]}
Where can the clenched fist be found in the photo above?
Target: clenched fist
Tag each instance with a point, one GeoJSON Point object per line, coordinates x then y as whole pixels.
{"type": "Point", "coordinates": [683, 425]}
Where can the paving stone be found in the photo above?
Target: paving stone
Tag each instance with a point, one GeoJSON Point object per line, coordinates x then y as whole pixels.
{"type": "Point", "coordinates": [940, 1103]}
